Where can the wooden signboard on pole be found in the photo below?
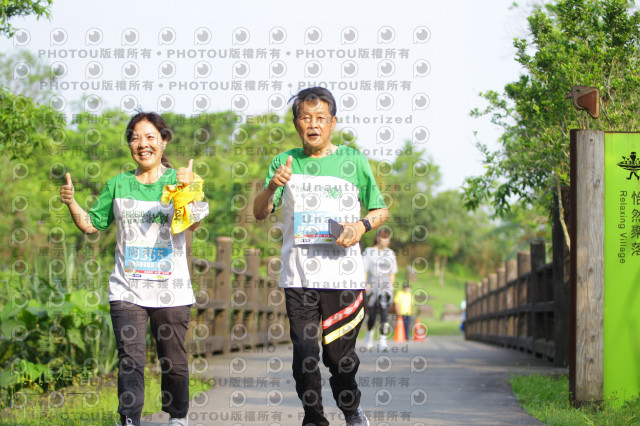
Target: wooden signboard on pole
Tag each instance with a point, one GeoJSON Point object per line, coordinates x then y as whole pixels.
{"type": "Point", "coordinates": [605, 266]}
{"type": "Point", "coordinates": [622, 266]}
{"type": "Point", "coordinates": [587, 266]}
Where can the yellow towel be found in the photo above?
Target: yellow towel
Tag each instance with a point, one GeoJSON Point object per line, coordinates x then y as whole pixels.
{"type": "Point", "coordinates": [182, 196]}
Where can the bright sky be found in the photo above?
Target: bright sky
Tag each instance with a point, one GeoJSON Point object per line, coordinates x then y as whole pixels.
{"type": "Point", "coordinates": [399, 70]}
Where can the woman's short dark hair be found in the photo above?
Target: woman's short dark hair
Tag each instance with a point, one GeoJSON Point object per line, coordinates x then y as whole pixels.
{"type": "Point", "coordinates": [158, 122]}
{"type": "Point", "coordinates": [383, 232]}
{"type": "Point", "coordinates": [313, 94]}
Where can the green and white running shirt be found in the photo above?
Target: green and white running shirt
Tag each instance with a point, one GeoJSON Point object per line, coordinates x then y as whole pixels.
{"type": "Point", "coordinates": [335, 186]}
{"type": "Point", "coordinates": [150, 262]}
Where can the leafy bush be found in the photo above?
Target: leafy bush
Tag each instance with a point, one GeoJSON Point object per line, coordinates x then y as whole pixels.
{"type": "Point", "coordinates": [50, 336]}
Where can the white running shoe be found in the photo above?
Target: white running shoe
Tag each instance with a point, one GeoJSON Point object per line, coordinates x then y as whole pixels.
{"type": "Point", "coordinates": [383, 343]}
{"type": "Point", "coordinates": [178, 422]}
{"type": "Point", "coordinates": [128, 422]}
{"type": "Point", "coordinates": [368, 340]}
{"type": "Point", "coordinates": [357, 419]}
{"type": "Point", "coordinates": [385, 328]}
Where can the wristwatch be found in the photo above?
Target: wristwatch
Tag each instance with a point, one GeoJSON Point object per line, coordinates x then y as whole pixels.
{"type": "Point", "coordinates": [367, 225]}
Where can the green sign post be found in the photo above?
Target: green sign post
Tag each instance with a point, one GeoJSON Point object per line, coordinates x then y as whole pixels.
{"type": "Point", "coordinates": [621, 326]}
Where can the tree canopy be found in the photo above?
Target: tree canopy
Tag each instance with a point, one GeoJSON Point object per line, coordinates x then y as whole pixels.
{"type": "Point", "coordinates": [24, 124]}
{"type": "Point", "coordinates": [13, 8]}
{"type": "Point", "coordinates": [572, 42]}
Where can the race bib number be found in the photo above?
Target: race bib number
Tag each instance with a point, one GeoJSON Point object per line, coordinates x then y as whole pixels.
{"type": "Point", "coordinates": [148, 260]}
{"type": "Point", "coordinates": [315, 201]}
{"type": "Point", "coordinates": [311, 227]}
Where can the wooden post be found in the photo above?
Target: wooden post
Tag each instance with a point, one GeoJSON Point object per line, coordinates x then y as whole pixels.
{"type": "Point", "coordinates": [502, 282]}
{"type": "Point", "coordinates": [493, 305]}
{"type": "Point", "coordinates": [511, 272]}
{"type": "Point", "coordinates": [252, 284]}
{"type": "Point", "coordinates": [524, 267]}
{"type": "Point", "coordinates": [477, 309]}
{"type": "Point", "coordinates": [536, 319]}
{"type": "Point", "coordinates": [561, 300]}
{"type": "Point", "coordinates": [469, 311]}
{"type": "Point", "coordinates": [485, 307]}
{"type": "Point", "coordinates": [501, 296]}
{"type": "Point", "coordinates": [587, 266]}
{"type": "Point", "coordinates": [222, 291]}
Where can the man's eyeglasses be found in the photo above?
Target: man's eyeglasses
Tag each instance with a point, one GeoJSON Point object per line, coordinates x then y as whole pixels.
{"type": "Point", "coordinates": [320, 120]}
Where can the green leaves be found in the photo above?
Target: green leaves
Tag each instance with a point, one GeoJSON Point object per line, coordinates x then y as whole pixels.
{"type": "Point", "coordinates": [45, 333]}
{"type": "Point", "coordinates": [572, 42]}
{"type": "Point", "coordinates": [24, 125]}
{"type": "Point", "coordinates": [12, 8]}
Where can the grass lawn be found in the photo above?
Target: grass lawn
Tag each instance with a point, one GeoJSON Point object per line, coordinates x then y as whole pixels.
{"type": "Point", "coordinates": [94, 403]}
{"type": "Point", "coordinates": [442, 328]}
{"type": "Point", "coordinates": [437, 296]}
{"type": "Point", "coordinates": [452, 293]}
{"type": "Point", "coordinates": [547, 399]}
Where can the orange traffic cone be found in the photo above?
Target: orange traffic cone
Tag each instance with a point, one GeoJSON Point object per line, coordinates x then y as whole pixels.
{"type": "Point", "coordinates": [419, 331]}
{"type": "Point", "coordinates": [399, 336]}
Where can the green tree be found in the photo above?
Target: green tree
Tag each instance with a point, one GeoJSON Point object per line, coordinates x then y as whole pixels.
{"type": "Point", "coordinates": [473, 240]}
{"type": "Point", "coordinates": [25, 125]}
{"type": "Point", "coordinates": [13, 8]}
{"type": "Point", "coordinates": [31, 84]}
{"type": "Point", "coordinates": [448, 229]}
{"type": "Point", "coordinates": [572, 42]}
{"type": "Point", "coordinates": [408, 185]}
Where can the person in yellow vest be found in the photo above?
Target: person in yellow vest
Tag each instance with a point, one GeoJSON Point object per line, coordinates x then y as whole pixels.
{"type": "Point", "coordinates": [403, 301]}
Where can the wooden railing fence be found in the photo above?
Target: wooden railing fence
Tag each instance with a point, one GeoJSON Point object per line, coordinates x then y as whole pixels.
{"type": "Point", "coordinates": [525, 303]}
{"type": "Point", "coordinates": [236, 307]}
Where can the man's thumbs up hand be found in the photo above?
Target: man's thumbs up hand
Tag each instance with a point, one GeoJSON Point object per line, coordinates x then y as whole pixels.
{"type": "Point", "coordinates": [185, 175]}
{"type": "Point", "coordinates": [282, 175]}
{"type": "Point", "coordinates": [67, 191]}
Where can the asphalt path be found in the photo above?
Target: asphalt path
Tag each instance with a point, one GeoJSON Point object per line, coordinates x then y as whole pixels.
{"type": "Point", "coordinates": [440, 381]}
